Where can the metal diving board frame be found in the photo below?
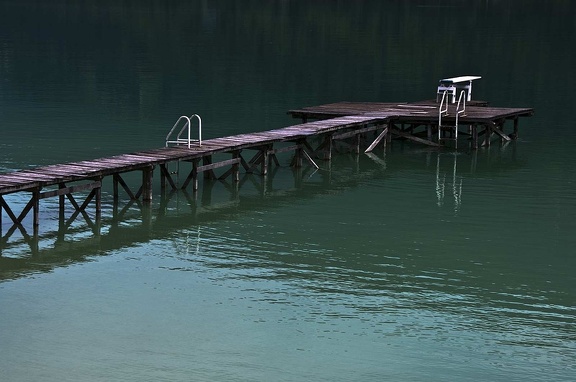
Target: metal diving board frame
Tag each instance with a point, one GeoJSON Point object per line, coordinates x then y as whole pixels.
{"type": "Point", "coordinates": [454, 85]}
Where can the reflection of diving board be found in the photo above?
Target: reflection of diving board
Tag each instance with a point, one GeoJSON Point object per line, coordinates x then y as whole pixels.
{"type": "Point", "coordinates": [454, 85]}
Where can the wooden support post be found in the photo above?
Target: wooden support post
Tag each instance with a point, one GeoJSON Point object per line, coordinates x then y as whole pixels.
{"type": "Point", "coordinates": [265, 160]}
{"type": "Point", "coordinates": [236, 167]}
{"type": "Point", "coordinates": [194, 175]}
{"type": "Point", "coordinates": [36, 211]}
{"type": "Point", "coordinates": [327, 147]}
{"type": "Point", "coordinates": [61, 207]}
{"type": "Point", "coordinates": [147, 175]}
{"type": "Point", "coordinates": [209, 174]}
{"type": "Point", "coordinates": [515, 133]}
{"type": "Point", "coordinates": [474, 141]}
{"type": "Point", "coordinates": [99, 204]}
{"type": "Point", "coordinates": [297, 161]}
{"type": "Point", "coordinates": [356, 146]}
{"type": "Point", "coordinates": [115, 188]}
{"type": "Point", "coordinates": [163, 170]}
{"type": "Point", "coordinates": [165, 176]}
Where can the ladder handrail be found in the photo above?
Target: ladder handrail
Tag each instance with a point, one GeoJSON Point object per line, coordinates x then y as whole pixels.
{"type": "Point", "coordinates": [188, 125]}
{"type": "Point", "coordinates": [461, 98]}
{"type": "Point", "coordinates": [442, 112]}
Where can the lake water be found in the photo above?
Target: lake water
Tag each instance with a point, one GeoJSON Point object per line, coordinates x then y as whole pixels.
{"type": "Point", "coordinates": [409, 265]}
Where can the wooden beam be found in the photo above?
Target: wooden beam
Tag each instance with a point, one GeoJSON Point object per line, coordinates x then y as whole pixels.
{"type": "Point", "coordinates": [414, 138]}
{"type": "Point", "coordinates": [500, 133]}
{"type": "Point", "coordinates": [377, 140]}
{"type": "Point", "coordinates": [118, 180]}
{"type": "Point", "coordinates": [309, 158]}
{"type": "Point", "coordinates": [165, 175]}
{"type": "Point", "coordinates": [8, 210]}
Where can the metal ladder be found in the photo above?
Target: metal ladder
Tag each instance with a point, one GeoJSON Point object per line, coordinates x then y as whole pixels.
{"type": "Point", "coordinates": [443, 111]}
{"type": "Point", "coordinates": [186, 126]}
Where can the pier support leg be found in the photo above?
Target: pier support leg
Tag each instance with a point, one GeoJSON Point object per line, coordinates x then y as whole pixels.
{"type": "Point", "coordinates": [236, 167]}
{"type": "Point", "coordinates": [328, 144]}
{"type": "Point", "coordinates": [147, 175]}
{"type": "Point", "coordinates": [193, 176]}
{"type": "Point", "coordinates": [356, 147]}
{"type": "Point", "coordinates": [115, 188]}
{"type": "Point", "coordinates": [98, 195]}
{"type": "Point", "coordinates": [515, 134]}
{"type": "Point", "coordinates": [165, 176]}
{"type": "Point", "coordinates": [298, 154]}
{"type": "Point", "coordinates": [36, 211]}
{"type": "Point", "coordinates": [265, 160]}
{"type": "Point", "coordinates": [474, 133]}
{"type": "Point", "coordinates": [487, 135]}
{"type": "Point", "coordinates": [208, 174]}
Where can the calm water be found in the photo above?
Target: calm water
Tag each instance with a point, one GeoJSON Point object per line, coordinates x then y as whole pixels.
{"type": "Point", "coordinates": [408, 265]}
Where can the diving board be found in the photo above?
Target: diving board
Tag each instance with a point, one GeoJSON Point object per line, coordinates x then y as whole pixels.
{"type": "Point", "coordinates": [453, 85]}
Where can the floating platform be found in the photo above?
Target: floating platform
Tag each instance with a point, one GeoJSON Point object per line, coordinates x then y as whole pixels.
{"type": "Point", "coordinates": [360, 126]}
{"type": "Point", "coordinates": [423, 121]}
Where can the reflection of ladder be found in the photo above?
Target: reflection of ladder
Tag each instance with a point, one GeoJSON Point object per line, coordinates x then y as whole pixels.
{"type": "Point", "coordinates": [441, 185]}
{"type": "Point", "coordinates": [186, 123]}
{"type": "Point", "coordinates": [452, 130]}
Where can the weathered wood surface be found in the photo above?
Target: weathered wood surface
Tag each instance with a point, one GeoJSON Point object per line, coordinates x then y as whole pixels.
{"type": "Point", "coordinates": [425, 111]}
{"type": "Point", "coordinates": [44, 176]}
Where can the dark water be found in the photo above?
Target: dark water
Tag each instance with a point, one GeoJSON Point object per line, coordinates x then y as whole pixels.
{"type": "Point", "coordinates": [411, 264]}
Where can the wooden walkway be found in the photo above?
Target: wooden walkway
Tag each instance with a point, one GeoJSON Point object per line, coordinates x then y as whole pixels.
{"type": "Point", "coordinates": [355, 124]}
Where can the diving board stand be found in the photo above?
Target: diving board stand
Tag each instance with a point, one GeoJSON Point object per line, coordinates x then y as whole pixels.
{"type": "Point", "coordinates": [454, 85]}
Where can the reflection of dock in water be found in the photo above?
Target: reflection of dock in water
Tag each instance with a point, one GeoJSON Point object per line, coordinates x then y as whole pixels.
{"type": "Point", "coordinates": [130, 222]}
{"type": "Point", "coordinates": [135, 222]}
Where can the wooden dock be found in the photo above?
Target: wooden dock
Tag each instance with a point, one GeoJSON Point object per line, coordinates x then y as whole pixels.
{"type": "Point", "coordinates": [360, 126]}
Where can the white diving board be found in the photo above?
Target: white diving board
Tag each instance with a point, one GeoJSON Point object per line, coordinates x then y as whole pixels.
{"type": "Point", "coordinates": [453, 85]}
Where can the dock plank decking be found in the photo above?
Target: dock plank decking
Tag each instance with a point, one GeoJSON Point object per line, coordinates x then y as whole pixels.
{"type": "Point", "coordinates": [417, 121]}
